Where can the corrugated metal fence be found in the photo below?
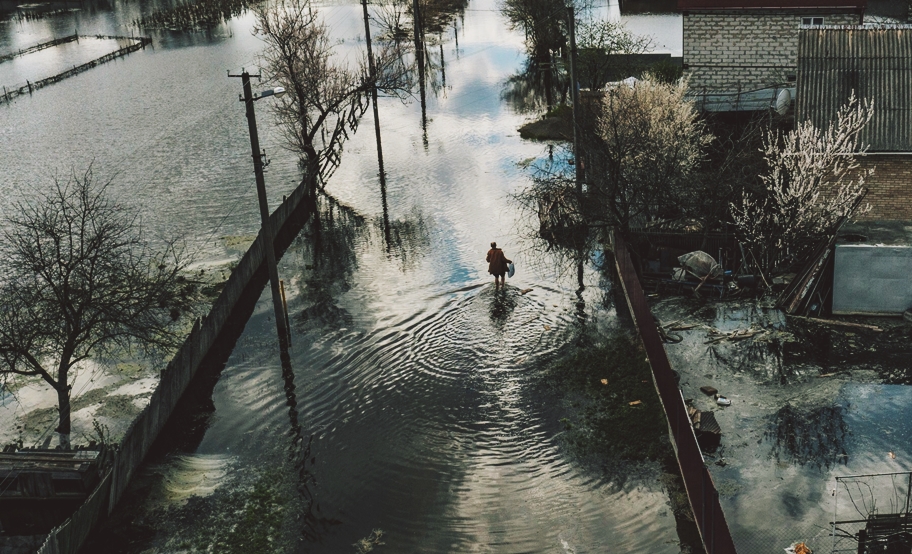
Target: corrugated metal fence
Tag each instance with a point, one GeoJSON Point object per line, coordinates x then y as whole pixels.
{"type": "Point", "coordinates": [69, 536]}
{"type": "Point", "coordinates": [701, 491]}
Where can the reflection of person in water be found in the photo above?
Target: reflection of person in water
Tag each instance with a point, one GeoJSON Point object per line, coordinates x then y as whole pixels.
{"type": "Point", "coordinates": [497, 264]}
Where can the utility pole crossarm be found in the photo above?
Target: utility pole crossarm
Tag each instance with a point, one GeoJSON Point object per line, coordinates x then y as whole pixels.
{"type": "Point", "coordinates": [266, 227]}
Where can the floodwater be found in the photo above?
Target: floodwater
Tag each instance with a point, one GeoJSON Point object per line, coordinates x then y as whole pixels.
{"type": "Point", "coordinates": [412, 404]}
{"type": "Point", "coordinates": [800, 418]}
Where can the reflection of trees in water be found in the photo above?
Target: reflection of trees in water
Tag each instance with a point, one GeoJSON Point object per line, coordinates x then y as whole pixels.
{"type": "Point", "coordinates": [327, 246]}
{"type": "Point", "coordinates": [809, 437]}
{"type": "Point", "coordinates": [329, 257]}
{"type": "Point", "coordinates": [551, 221]}
{"type": "Point", "coordinates": [538, 86]}
{"type": "Point", "coordinates": [406, 239]}
{"type": "Point", "coordinates": [541, 81]}
{"type": "Point", "coordinates": [397, 29]}
{"type": "Point", "coordinates": [759, 358]}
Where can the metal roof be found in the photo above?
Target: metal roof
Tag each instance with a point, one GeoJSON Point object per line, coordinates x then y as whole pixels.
{"type": "Point", "coordinates": [816, 5]}
{"type": "Point", "coordinates": [875, 62]}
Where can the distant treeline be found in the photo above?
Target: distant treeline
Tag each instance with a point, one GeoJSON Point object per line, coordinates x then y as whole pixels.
{"type": "Point", "coordinates": [194, 16]}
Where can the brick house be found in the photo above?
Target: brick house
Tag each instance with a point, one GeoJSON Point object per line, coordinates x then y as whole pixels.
{"type": "Point", "coordinates": [734, 46]}
{"type": "Point", "coordinates": [876, 63]}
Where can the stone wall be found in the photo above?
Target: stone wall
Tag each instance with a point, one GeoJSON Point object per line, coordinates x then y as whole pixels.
{"type": "Point", "coordinates": [733, 51]}
{"type": "Point", "coordinates": [890, 188]}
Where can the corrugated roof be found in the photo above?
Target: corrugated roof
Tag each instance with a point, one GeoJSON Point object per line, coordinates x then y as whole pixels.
{"type": "Point", "coordinates": [875, 62]}
{"type": "Point", "coordinates": [836, 5]}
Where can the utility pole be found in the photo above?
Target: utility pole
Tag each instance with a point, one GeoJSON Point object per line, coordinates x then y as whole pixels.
{"type": "Point", "coordinates": [578, 159]}
{"type": "Point", "coordinates": [373, 77]}
{"type": "Point", "coordinates": [419, 59]}
{"type": "Point", "coordinates": [266, 229]}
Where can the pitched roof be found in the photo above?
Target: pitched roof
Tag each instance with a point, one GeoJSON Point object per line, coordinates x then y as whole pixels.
{"type": "Point", "coordinates": [873, 61]}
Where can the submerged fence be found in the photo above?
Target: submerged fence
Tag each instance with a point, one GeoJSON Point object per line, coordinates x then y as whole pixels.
{"type": "Point", "coordinates": [38, 47]}
{"type": "Point", "coordinates": [139, 43]}
{"type": "Point", "coordinates": [69, 536]}
{"type": "Point", "coordinates": [701, 491]}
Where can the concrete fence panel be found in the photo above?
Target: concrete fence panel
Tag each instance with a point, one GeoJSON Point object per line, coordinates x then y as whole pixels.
{"type": "Point", "coordinates": [175, 378]}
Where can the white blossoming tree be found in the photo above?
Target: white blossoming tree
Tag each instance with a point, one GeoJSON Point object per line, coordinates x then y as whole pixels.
{"type": "Point", "coordinates": [813, 179]}
{"type": "Point", "coordinates": [648, 141]}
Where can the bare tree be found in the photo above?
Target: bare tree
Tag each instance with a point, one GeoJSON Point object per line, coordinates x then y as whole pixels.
{"type": "Point", "coordinates": [78, 281]}
{"type": "Point", "coordinates": [645, 144]}
{"type": "Point", "coordinates": [813, 179]}
{"type": "Point", "coordinates": [608, 51]}
{"type": "Point", "coordinates": [325, 98]}
{"type": "Point", "coordinates": [542, 21]}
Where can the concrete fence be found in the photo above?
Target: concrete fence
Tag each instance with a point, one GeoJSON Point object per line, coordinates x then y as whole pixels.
{"type": "Point", "coordinates": [69, 536]}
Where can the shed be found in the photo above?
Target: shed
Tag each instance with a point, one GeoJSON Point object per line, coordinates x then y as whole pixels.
{"type": "Point", "coordinates": [872, 279]}
{"type": "Point", "coordinates": [40, 488]}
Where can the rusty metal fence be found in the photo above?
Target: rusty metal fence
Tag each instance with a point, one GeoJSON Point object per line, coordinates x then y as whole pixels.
{"type": "Point", "coordinates": [701, 491]}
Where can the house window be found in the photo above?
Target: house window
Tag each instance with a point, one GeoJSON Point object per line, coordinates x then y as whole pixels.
{"type": "Point", "coordinates": [812, 21]}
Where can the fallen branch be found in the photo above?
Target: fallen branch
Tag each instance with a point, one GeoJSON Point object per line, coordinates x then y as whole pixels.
{"type": "Point", "coordinates": [738, 334]}
{"type": "Point", "coordinates": [837, 322]}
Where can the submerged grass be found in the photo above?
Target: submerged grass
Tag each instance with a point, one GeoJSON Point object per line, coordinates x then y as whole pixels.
{"type": "Point", "coordinates": [614, 411]}
{"type": "Point", "coordinates": [250, 520]}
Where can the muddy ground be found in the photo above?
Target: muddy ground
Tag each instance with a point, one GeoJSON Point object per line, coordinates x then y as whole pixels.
{"type": "Point", "coordinates": [107, 395]}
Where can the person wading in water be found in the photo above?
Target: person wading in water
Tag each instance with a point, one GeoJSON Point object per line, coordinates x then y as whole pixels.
{"type": "Point", "coordinates": [497, 264]}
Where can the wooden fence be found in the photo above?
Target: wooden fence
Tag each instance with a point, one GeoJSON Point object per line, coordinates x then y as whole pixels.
{"type": "Point", "coordinates": [701, 491]}
{"type": "Point", "coordinates": [38, 47]}
{"type": "Point", "coordinates": [69, 536]}
{"type": "Point", "coordinates": [139, 43]}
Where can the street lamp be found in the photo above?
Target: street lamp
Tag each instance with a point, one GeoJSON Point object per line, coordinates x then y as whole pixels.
{"type": "Point", "coordinates": [248, 98]}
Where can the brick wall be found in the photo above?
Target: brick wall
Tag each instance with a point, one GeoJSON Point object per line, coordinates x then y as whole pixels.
{"type": "Point", "coordinates": [890, 188]}
{"type": "Point", "coordinates": [725, 51]}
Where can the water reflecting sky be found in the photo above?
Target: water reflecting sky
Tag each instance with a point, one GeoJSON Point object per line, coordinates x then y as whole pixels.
{"type": "Point", "coordinates": [414, 378]}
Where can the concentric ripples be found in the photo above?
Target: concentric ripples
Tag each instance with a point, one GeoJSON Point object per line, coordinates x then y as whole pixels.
{"type": "Point", "coordinates": [430, 427]}
{"type": "Point", "coordinates": [413, 385]}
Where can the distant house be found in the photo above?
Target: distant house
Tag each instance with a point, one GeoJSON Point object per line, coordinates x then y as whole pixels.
{"type": "Point", "coordinates": [876, 63]}
{"type": "Point", "coordinates": [748, 46]}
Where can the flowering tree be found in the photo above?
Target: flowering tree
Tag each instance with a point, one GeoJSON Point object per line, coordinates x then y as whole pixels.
{"type": "Point", "coordinates": [647, 142]}
{"type": "Point", "coordinates": [813, 180]}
